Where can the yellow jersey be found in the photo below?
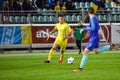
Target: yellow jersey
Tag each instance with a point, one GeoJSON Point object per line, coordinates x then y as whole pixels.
{"type": "Point", "coordinates": [63, 8]}
{"type": "Point", "coordinates": [57, 8]}
{"type": "Point", "coordinates": [62, 29]}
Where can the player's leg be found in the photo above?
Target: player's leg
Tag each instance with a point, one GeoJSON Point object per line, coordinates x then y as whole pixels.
{"type": "Point", "coordinates": [115, 47]}
{"type": "Point", "coordinates": [106, 48]}
{"type": "Point", "coordinates": [90, 46]}
{"type": "Point", "coordinates": [83, 61]}
{"type": "Point", "coordinates": [61, 57]}
{"type": "Point", "coordinates": [98, 49]}
{"type": "Point", "coordinates": [103, 48]}
{"type": "Point", "coordinates": [62, 49]}
{"type": "Point", "coordinates": [78, 43]}
{"type": "Point", "coordinates": [84, 58]}
{"type": "Point", "coordinates": [51, 52]}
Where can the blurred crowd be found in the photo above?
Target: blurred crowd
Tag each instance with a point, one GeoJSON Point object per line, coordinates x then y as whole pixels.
{"type": "Point", "coordinates": [17, 5]}
{"type": "Point", "coordinates": [37, 4]}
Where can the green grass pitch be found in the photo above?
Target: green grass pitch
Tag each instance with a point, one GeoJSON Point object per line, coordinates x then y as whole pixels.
{"type": "Point", "coordinates": [31, 66]}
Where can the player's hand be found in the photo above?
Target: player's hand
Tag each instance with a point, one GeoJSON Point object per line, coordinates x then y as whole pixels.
{"type": "Point", "coordinates": [81, 31]}
{"type": "Point", "coordinates": [48, 36]}
{"type": "Point", "coordinates": [65, 37]}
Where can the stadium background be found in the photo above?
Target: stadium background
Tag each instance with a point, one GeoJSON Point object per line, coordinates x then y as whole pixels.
{"type": "Point", "coordinates": [27, 30]}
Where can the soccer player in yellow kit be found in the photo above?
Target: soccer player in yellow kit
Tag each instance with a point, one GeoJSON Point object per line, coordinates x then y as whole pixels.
{"type": "Point", "coordinates": [64, 31]}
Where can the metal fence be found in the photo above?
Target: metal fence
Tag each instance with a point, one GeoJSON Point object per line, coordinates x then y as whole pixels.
{"type": "Point", "coordinates": [50, 16]}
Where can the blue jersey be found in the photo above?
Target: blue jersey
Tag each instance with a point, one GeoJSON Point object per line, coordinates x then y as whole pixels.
{"type": "Point", "coordinates": [93, 28]}
{"type": "Point", "coordinates": [94, 35]}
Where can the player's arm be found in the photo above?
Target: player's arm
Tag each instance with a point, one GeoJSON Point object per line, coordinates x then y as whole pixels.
{"type": "Point", "coordinates": [92, 28]}
{"type": "Point", "coordinates": [48, 36]}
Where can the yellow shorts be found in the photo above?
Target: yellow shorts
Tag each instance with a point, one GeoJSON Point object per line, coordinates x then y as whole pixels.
{"type": "Point", "coordinates": [61, 43]}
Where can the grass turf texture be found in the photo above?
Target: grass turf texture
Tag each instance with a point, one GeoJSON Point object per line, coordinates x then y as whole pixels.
{"type": "Point", "coordinates": [104, 66]}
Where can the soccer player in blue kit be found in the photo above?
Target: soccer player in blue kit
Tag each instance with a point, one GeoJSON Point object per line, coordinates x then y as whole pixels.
{"type": "Point", "coordinates": [93, 43]}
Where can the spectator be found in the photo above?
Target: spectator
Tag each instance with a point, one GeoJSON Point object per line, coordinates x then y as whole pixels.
{"type": "Point", "coordinates": [5, 6]}
{"type": "Point", "coordinates": [83, 0]}
{"type": "Point", "coordinates": [40, 4]}
{"type": "Point", "coordinates": [51, 4]}
{"type": "Point", "coordinates": [102, 5]}
{"type": "Point", "coordinates": [34, 6]}
{"type": "Point", "coordinates": [16, 5]}
{"type": "Point", "coordinates": [57, 7]}
{"type": "Point", "coordinates": [99, 5]}
{"type": "Point", "coordinates": [26, 6]}
{"type": "Point", "coordinates": [86, 0]}
{"type": "Point", "coordinates": [70, 5]}
{"type": "Point", "coordinates": [64, 8]}
{"type": "Point", "coordinates": [118, 1]}
{"type": "Point", "coordinates": [96, 4]}
{"type": "Point", "coordinates": [5, 9]}
{"type": "Point", "coordinates": [113, 3]}
{"type": "Point", "coordinates": [89, 0]}
{"type": "Point", "coordinates": [47, 5]}
{"type": "Point", "coordinates": [1, 3]}
{"type": "Point", "coordinates": [11, 4]}
{"type": "Point", "coordinates": [61, 2]}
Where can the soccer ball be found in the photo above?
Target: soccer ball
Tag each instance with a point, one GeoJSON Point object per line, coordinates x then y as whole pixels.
{"type": "Point", "coordinates": [70, 60]}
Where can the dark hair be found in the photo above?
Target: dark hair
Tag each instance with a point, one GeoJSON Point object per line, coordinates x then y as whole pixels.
{"type": "Point", "coordinates": [91, 10]}
{"type": "Point", "coordinates": [60, 14]}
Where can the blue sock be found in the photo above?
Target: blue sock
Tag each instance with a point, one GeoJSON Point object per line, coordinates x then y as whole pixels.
{"type": "Point", "coordinates": [83, 61]}
{"type": "Point", "coordinates": [104, 48]}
